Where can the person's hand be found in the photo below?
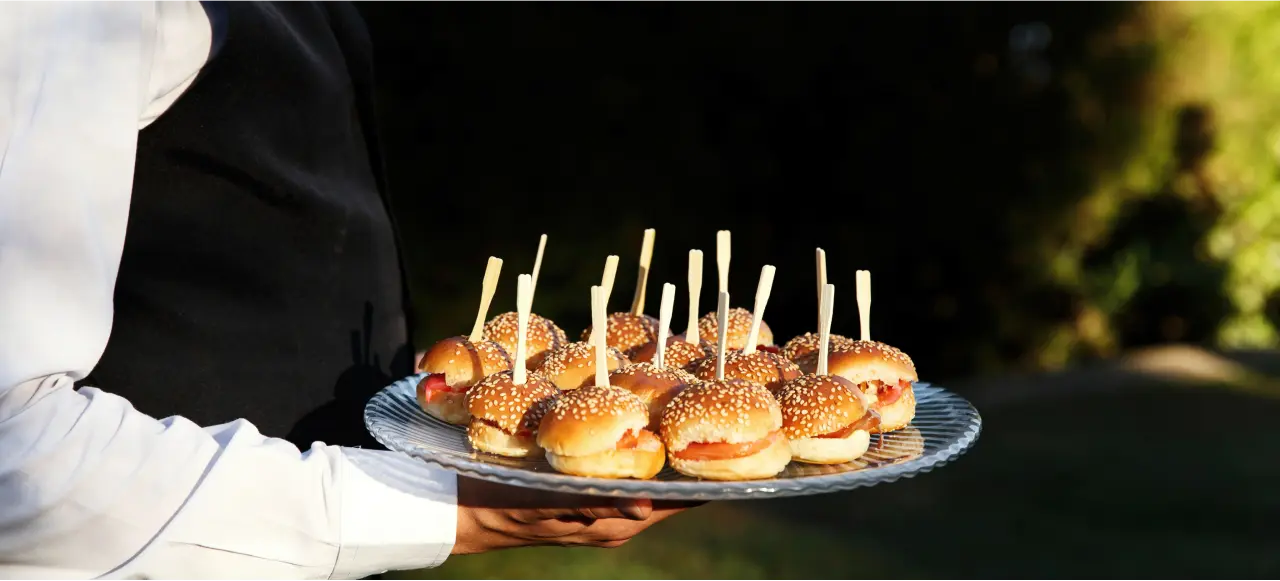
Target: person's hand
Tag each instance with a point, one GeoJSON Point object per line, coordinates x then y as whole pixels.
{"type": "Point", "coordinates": [495, 516]}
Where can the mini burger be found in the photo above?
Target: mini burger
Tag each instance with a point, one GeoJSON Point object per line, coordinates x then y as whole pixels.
{"type": "Point", "coordinates": [600, 432]}
{"type": "Point", "coordinates": [452, 366]}
{"type": "Point", "coordinates": [826, 418]}
{"type": "Point", "coordinates": [883, 372]}
{"type": "Point", "coordinates": [653, 385]}
{"type": "Point", "coordinates": [804, 348]}
{"type": "Point", "coordinates": [505, 416]}
{"type": "Point", "coordinates": [544, 336]}
{"type": "Point", "coordinates": [574, 365]}
{"type": "Point", "coordinates": [739, 329]}
{"type": "Point", "coordinates": [725, 430]}
{"type": "Point", "coordinates": [627, 332]}
{"type": "Point", "coordinates": [763, 368]}
{"type": "Point", "coordinates": [680, 353]}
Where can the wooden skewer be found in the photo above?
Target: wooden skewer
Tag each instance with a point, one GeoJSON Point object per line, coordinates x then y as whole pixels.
{"type": "Point", "coordinates": [722, 259]}
{"type": "Point", "coordinates": [864, 302]}
{"type": "Point", "coordinates": [606, 287]}
{"type": "Point", "coordinates": [606, 282]}
{"type": "Point", "coordinates": [722, 316]}
{"type": "Point", "coordinates": [822, 280]}
{"type": "Point", "coordinates": [824, 328]}
{"type": "Point", "coordinates": [537, 262]}
{"type": "Point", "coordinates": [695, 289]}
{"type": "Point", "coordinates": [664, 322]}
{"type": "Point", "coordinates": [642, 278]}
{"type": "Point", "coordinates": [524, 304]}
{"type": "Point", "coordinates": [762, 299]}
{"type": "Point", "coordinates": [486, 296]}
{"type": "Point", "coordinates": [598, 318]}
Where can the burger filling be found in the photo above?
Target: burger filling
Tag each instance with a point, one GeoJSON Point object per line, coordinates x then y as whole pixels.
{"type": "Point", "coordinates": [434, 384]}
{"type": "Point", "coordinates": [869, 422]}
{"type": "Point", "coordinates": [886, 393]}
{"type": "Point", "coordinates": [698, 451]}
{"type": "Point", "coordinates": [639, 440]}
{"type": "Point", "coordinates": [523, 433]}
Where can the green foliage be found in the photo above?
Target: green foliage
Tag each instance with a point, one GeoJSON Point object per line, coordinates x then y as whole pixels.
{"type": "Point", "coordinates": [1213, 121]}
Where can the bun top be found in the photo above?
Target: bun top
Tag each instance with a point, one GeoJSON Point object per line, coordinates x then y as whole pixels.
{"type": "Point", "coordinates": [816, 405]}
{"type": "Point", "coordinates": [574, 365]}
{"type": "Point", "coordinates": [514, 408]}
{"type": "Point", "coordinates": [464, 363]}
{"type": "Point", "coordinates": [863, 361]}
{"type": "Point", "coordinates": [647, 381]}
{"type": "Point", "coordinates": [739, 329]}
{"type": "Point", "coordinates": [731, 411]}
{"type": "Point", "coordinates": [680, 353]}
{"type": "Point", "coordinates": [801, 346]}
{"type": "Point", "coordinates": [627, 332]}
{"type": "Point", "coordinates": [542, 334]}
{"type": "Point", "coordinates": [591, 420]}
{"type": "Point", "coordinates": [763, 368]}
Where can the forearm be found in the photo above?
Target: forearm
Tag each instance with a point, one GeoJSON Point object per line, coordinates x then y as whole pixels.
{"type": "Point", "coordinates": [96, 488]}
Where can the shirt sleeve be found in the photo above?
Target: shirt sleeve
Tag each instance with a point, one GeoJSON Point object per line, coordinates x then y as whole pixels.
{"type": "Point", "coordinates": [90, 486]}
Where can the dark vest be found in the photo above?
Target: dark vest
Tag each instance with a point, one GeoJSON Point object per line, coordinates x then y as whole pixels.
{"type": "Point", "coordinates": [261, 277]}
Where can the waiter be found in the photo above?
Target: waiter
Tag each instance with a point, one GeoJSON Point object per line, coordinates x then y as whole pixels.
{"type": "Point", "coordinates": [193, 227]}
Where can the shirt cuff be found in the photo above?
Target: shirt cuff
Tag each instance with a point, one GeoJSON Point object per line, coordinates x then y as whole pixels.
{"type": "Point", "coordinates": [397, 513]}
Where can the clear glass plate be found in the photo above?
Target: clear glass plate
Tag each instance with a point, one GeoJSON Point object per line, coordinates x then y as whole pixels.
{"type": "Point", "coordinates": [945, 426]}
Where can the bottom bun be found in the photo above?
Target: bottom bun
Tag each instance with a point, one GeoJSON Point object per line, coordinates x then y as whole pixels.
{"type": "Point", "coordinates": [486, 437]}
{"type": "Point", "coordinates": [766, 463]}
{"type": "Point", "coordinates": [831, 450]}
{"type": "Point", "coordinates": [898, 414]}
{"type": "Point", "coordinates": [447, 406]}
{"type": "Point", "coordinates": [633, 463]}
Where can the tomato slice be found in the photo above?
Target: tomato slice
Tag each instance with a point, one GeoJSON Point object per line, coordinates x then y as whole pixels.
{"type": "Point", "coordinates": [724, 451]}
{"type": "Point", "coordinates": [642, 439]}
{"type": "Point", "coordinates": [768, 348]}
{"type": "Point", "coordinates": [434, 384]}
{"type": "Point", "coordinates": [889, 393]}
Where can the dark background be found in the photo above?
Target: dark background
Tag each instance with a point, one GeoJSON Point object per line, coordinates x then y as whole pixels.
{"type": "Point", "coordinates": [959, 151]}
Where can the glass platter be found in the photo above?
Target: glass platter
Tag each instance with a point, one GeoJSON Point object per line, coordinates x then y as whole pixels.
{"type": "Point", "coordinates": [945, 426]}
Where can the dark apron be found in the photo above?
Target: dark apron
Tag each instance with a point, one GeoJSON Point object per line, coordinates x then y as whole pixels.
{"type": "Point", "coordinates": [261, 277]}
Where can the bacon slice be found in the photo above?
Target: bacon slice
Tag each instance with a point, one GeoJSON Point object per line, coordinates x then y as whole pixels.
{"type": "Point", "coordinates": [869, 422]}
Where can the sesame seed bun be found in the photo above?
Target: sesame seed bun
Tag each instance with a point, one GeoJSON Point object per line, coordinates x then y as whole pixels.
{"type": "Point", "coordinates": [768, 370]}
{"type": "Point", "coordinates": [627, 332]}
{"type": "Point", "coordinates": [680, 353]}
{"type": "Point", "coordinates": [590, 420]}
{"type": "Point", "coordinates": [739, 329]}
{"type": "Point", "coordinates": [574, 365]}
{"type": "Point", "coordinates": [581, 431]}
{"type": "Point", "coordinates": [655, 387]}
{"type": "Point", "coordinates": [730, 411]}
{"type": "Point", "coordinates": [863, 361]}
{"type": "Point", "coordinates": [505, 416]}
{"type": "Point", "coordinates": [541, 337]}
{"type": "Point", "coordinates": [817, 405]}
{"type": "Point", "coordinates": [464, 363]}
{"type": "Point", "coordinates": [801, 346]}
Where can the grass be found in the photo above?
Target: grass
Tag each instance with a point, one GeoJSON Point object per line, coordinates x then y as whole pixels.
{"type": "Point", "coordinates": [1168, 482]}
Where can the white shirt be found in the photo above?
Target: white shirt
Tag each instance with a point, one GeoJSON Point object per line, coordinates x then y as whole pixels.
{"type": "Point", "coordinates": [89, 486]}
